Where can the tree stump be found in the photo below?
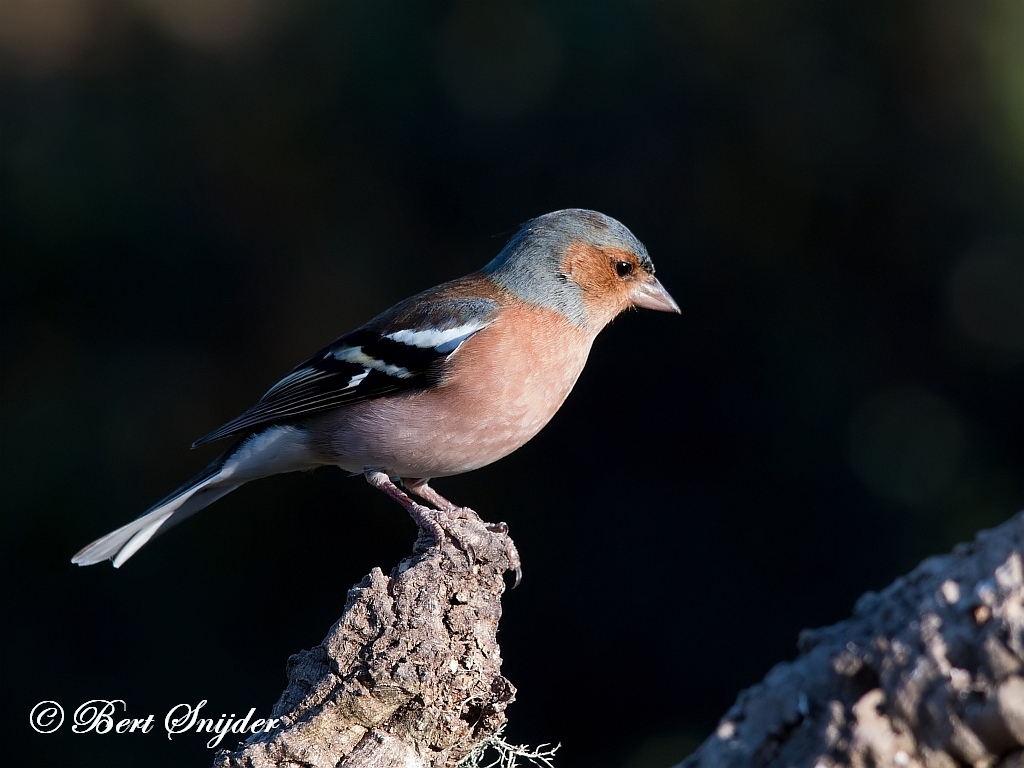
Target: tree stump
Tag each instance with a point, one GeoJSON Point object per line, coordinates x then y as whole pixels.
{"type": "Point", "coordinates": [409, 675]}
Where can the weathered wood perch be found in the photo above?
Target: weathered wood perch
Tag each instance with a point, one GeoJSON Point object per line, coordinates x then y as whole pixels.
{"type": "Point", "coordinates": [929, 673]}
{"type": "Point", "coordinates": [409, 675]}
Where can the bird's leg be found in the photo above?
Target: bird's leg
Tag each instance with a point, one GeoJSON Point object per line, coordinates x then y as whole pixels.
{"type": "Point", "coordinates": [421, 488]}
{"type": "Point", "coordinates": [425, 517]}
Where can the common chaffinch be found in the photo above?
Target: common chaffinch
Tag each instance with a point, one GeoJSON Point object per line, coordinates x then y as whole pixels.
{"type": "Point", "coordinates": [447, 381]}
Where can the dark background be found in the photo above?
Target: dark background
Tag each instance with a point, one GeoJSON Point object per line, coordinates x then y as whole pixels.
{"type": "Point", "coordinates": [199, 193]}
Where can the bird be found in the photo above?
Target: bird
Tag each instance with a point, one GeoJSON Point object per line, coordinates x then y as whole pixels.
{"type": "Point", "coordinates": [448, 381]}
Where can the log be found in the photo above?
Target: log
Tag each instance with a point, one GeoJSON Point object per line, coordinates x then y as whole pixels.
{"type": "Point", "coordinates": [928, 673]}
{"type": "Point", "coordinates": [409, 675]}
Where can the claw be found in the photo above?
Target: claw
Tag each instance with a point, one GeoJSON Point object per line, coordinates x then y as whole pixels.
{"type": "Point", "coordinates": [433, 520]}
{"type": "Point", "coordinates": [466, 547]}
{"type": "Point", "coordinates": [510, 550]}
{"type": "Point", "coordinates": [426, 519]}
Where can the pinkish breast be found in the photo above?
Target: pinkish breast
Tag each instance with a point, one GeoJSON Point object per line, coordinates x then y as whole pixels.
{"type": "Point", "coordinates": [505, 384]}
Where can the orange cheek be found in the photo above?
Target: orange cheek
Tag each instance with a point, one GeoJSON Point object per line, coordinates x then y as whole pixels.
{"type": "Point", "coordinates": [588, 266]}
{"type": "Point", "coordinates": [605, 294]}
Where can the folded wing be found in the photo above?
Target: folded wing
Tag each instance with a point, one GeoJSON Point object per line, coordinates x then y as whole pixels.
{"type": "Point", "coordinates": [392, 353]}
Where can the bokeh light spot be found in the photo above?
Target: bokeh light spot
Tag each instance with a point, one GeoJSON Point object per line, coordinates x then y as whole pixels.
{"type": "Point", "coordinates": [1002, 43]}
{"type": "Point", "coordinates": [907, 445]}
{"type": "Point", "coordinates": [41, 36]}
{"type": "Point", "coordinates": [208, 23]}
{"type": "Point", "coordinates": [986, 297]}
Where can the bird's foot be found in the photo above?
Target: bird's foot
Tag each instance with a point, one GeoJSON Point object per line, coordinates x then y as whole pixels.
{"type": "Point", "coordinates": [438, 522]}
{"type": "Point", "coordinates": [428, 520]}
{"type": "Point", "coordinates": [511, 552]}
{"type": "Point", "coordinates": [445, 518]}
{"type": "Point", "coordinates": [515, 564]}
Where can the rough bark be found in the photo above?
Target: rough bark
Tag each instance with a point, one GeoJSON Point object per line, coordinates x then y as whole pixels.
{"type": "Point", "coordinates": [409, 675]}
{"type": "Point", "coordinates": [929, 673]}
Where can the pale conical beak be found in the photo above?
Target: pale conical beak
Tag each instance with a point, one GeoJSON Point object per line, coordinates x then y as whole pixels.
{"type": "Point", "coordinates": [652, 295]}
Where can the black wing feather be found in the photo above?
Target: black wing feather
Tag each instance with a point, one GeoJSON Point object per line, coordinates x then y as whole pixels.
{"type": "Point", "coordinates": [324, 381]}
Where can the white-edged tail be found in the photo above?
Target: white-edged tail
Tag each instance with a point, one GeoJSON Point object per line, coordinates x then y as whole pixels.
{"type": "Point", "coordinates": [121, 544]}
{"type": "Point", "coordinates": [274, 450]}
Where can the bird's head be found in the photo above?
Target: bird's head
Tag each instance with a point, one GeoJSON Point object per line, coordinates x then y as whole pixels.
{"type": "Point", "coordinates": [584, 264]}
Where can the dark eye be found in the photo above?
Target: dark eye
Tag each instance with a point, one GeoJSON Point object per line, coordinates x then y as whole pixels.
{"type": "Point", "coordinates": [623, 268]}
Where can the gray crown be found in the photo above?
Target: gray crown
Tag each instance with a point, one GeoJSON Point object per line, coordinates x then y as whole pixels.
{"type": "Point", "coordinates": [530, 263]}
